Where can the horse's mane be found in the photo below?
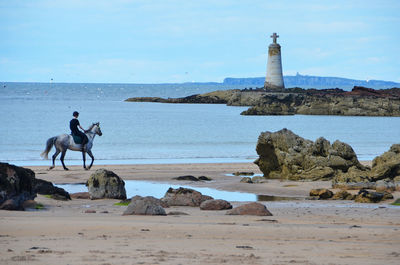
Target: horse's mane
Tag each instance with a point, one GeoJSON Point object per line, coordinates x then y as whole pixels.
{"type": "Point", "coordinates": [91, 126]}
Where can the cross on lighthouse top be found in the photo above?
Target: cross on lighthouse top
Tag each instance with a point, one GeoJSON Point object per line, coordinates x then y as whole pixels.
{"type": "Point", "coordinates": [274, 36]}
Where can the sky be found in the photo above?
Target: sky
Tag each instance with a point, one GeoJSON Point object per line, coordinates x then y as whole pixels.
{"type": "Point", "coordinates": [169, 41]}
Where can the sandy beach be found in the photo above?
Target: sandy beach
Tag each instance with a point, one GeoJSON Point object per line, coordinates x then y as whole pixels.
{"type": "Point", "coordinates": [299, 232]}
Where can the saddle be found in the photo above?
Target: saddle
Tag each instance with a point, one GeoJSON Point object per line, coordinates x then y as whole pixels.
{"type": "Point", "coordinates": [77, 139]}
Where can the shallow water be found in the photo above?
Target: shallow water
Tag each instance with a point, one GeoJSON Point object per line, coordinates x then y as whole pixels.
{"type": "Point", "coordinates": [158, 190]}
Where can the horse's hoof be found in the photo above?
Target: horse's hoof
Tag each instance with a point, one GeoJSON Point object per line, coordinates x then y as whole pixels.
{"type": "Point", "coordinates": [50, 168]}
{"type": "Point", "coordinates": [66, 168]}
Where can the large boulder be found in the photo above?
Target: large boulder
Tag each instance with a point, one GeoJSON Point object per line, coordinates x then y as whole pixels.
{"type": "Point", "coordinates": [144, 206]}
{"type": "Point", "coordinates": [106, 184]}
{"type": "Point", "coordinates": [387, 165]}
{"type": "Point", "coordinates": [16, 186]}
{"type": "Point", "coordinates": [285, 155]}
{"type": "Point", "coordinates": [215, 205]}
{"type": "Point", "coordinates": [45, 187]}
{"type": "Point", "coordinates": [253, 208]}
{"type": "Point", "coordinates": [184, 197]}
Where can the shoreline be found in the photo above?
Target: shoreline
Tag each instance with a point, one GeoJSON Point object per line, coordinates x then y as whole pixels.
{"type": "Point", "coordinates": [299, 232]}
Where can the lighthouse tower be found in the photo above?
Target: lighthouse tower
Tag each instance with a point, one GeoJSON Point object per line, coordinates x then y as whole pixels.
{"type": "Point", "coordinates": [274, 78]}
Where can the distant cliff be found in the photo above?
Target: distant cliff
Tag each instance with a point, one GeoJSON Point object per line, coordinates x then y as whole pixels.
{"type": "Point", "coordinates": [360, 101]}
{"type": "Point", "coordinates": [307, 81]}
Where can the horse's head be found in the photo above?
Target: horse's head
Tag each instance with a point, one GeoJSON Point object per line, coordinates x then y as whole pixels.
{"type": "Point", "coordinates": [96, 129]}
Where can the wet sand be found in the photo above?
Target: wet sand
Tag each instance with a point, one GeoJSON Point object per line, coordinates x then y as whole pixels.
{"type": "Point", "coordinates": [299, 232]}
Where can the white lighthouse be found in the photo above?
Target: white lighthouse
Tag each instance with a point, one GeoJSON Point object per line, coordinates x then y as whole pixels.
{"type": "Point", "coordinates": [274, 78]}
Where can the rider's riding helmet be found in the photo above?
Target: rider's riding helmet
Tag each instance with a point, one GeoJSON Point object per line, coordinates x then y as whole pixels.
{"type": "Point", "coordinates": [75, 114]}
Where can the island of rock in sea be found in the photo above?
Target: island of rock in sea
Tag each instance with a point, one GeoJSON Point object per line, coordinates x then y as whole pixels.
{"type": "Point", "coordinates": [360, 101]}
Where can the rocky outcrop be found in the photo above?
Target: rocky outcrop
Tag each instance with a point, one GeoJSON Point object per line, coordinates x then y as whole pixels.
{"type": "Point", "coordinates": [382, 176]}
{"type": "Point", "coordinates": [253, 208]}
{"type": "Point", "coordinates": [285, 155]}
{"type": "Point", "coordinates": [360, 101]}
{"type": "Point", "coordinates": [144, 206]}
{"type": "Point", "coordinates": [215, 205]}
{"type": "Point", "coordinates": [343, 195]}
{"type": "Point", "coordinates": [45, 187]}
{"type": "Point", "coordinates": [184, 197]}
{"type": "Point", "coordinates": [16, 186]}
{"type": "Point", "coordinates": [106, 184]}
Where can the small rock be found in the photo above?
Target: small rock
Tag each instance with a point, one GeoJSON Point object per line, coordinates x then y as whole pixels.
{"type": "Point", "coordinates": [343, 195]}
{"type": "Point", "coordinates": [204, 178]}
{"type": "Point", "coordinates": [187, 177]}
{"type": "Point", "coordinates": [243, 173]}
{"type": "Point", "coordinates": [80, 195]}
{"type": "Point", "coordinates": [253, 208]}
{"type": "Point", "coordinates": [365, 196]}
{"type": "Point", "coordinates": [144, 206]}
{"type": "Point", "coordinates": [246, 180]}
{"type": "Point", "coordinates": [215, 205]}
{"type": "Point", "coordinates": [322, 194]}
{"type": "Point", "coordinates": [90, 211]}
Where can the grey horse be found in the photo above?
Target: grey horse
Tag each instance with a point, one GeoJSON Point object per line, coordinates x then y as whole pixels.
{"type": "Point", "coordinates": [64, 142]}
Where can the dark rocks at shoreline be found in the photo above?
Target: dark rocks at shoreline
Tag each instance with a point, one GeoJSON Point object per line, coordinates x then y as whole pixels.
{"type": "Point", "coordinates": [45, 187]}
{"type": "Point", "coordinates": [106, 184]}
{"type": "Point", "coordinates": [193, 178]}
{"type": "Point", "coordinates": [361, 101]}
{"type": "Point", "coordinates": [184, 197]}
{"type": "Point", "coordinates": [16, 186]}
{"type": "Point", "coordinates": [322, 194]}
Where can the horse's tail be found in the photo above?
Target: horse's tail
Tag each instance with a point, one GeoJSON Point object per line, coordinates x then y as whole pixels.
{"type": "Point", "coordinates": [49, 145]}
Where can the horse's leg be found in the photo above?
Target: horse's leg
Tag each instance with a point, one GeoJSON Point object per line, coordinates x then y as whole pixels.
{"type": "Point", "coordinates": [62, 159]}
{"type": "Point", "coordinates": [84, 160]}
{"type": "Point", "coordinates": [54, 158]}
{"type": "Point", "coordinates": [91, 156]}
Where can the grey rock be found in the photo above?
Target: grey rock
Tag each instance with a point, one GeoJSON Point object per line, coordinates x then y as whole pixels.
{"type": "Point", "coordinates": [106, 184]}
{"type": "Point", "coordinates": [144, 206]}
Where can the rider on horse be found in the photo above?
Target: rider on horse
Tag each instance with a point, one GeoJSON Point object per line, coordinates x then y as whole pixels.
{"type": "Point", "coordinates": [73, 125]}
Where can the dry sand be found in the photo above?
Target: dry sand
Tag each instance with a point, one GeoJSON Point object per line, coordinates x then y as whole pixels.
{"type": "Point", "coordinates": [299, 232]}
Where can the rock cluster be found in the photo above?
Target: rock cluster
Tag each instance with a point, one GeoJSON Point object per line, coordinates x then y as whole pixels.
{"type": "Point", "coordinates": [106, 184]}
{"type": "Point", "coordinates": [285, 155]}
{"type": "Point", "coordinates": [16, 186]}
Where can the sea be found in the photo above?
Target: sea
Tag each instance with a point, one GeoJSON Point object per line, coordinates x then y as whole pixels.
{"type": "Point", "coordinates": [157, 133]}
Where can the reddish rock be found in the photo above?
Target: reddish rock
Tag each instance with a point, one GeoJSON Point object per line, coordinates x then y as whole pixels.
{"type": "Point", "coordinates": [253, 208]}
{"type": "Point", "coordinates": [215, 205]}
{"type": "Point", "coordinates": [184, 197]}
{"type": "Point", "coordinates": [80, 195]}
